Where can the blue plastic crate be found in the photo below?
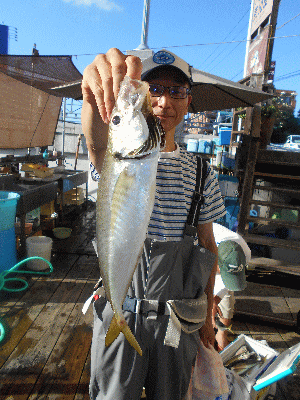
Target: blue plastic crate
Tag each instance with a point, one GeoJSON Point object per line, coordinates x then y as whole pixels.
{"type": "Point", "coordinates": [225, 136]}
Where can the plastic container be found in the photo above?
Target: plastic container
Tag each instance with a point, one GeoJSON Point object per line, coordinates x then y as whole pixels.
{"type": "Point", "coordinates": [40, 246]}
{"type": "Point", "coordinates": [227, 161]}
{"type": "Point", "coordinates": [225, 136]}
{"type": "Point", "coordinates": [205, 146]}
{"type": "Point", "coordinates": [8, 250]}
{"type": "Point", "coordinates": [192, 145]}
{"type": "Point", "coordinates": [8, 207]}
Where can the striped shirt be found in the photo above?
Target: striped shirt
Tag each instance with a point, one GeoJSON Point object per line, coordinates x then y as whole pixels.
{"type": "Point", "coordinates": [175, 185]}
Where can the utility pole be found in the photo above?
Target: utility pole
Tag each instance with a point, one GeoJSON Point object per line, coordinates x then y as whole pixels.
{"type": "Point", "coordinates": [143, 50]}
{"type": "Point", "coordinates": [145, 26]}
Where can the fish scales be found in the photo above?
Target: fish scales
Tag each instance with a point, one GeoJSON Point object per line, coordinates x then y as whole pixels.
{"type": "Point", "coordinates": [125, 197]}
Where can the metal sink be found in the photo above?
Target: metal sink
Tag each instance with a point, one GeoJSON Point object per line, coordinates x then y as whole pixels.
{"type": "Point", "coordinates": [69, 179]}
{"type": "Point", "coordinates": [32, 195]}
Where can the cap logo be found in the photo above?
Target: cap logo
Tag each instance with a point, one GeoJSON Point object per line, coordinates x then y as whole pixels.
{"type": "Point", "coordinates": [163, 57]}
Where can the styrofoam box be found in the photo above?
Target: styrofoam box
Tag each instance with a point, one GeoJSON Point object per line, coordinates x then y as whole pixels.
{"type": "Point", "coordinates": [261, 349]}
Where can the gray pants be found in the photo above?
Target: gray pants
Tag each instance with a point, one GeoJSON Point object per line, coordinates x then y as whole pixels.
{"type": "Point", "coordinates": [173, 271]}
{"type": "Point", "coordinates": [121, 372]}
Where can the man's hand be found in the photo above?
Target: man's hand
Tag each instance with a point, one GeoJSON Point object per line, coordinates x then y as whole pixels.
{"type": "Point", "coordinates": [216, 309]}
{"type": "Point", "coordinates": [102, 78]}
{"type": "Point", "coordinates": [100, 88]}
{"type": "Point", "coordinates": [207, 334]}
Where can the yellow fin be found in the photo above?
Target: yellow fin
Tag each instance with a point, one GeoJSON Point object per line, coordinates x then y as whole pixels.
{"type": "Point", "coordinates": [113, 332]}
{"type": "Point", "coordinates": [131, 339]}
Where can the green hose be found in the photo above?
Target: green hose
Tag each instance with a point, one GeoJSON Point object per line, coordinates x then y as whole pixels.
{"type": "Point", "coordinates": [3, 280]}
{"type": "Point", "coordinates": [3, 274]}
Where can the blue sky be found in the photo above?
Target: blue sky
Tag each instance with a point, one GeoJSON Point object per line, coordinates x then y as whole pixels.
{"type": "Point", "coordinates": [193, 29]}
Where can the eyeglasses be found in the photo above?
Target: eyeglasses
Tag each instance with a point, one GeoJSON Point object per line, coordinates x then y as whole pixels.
{"type": "Point", "coordinates": [176, 92]}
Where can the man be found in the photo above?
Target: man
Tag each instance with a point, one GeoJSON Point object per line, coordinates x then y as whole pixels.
{"type": "Point", "coordinates": [118, 372]}
{"type": "Point", "coordinates": [233, 257]}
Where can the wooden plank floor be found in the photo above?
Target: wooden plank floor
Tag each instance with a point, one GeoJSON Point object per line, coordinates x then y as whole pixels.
{"type": "Point", "coordinates": [46, 352]}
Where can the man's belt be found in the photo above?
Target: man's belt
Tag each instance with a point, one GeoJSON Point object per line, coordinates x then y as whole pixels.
{"type": "Point", "coordinates": [145, 307]}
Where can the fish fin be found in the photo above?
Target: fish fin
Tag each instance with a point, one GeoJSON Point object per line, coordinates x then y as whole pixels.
{"type": "Point", "coordinates": [131, 339]}
{"type": "Point", "coordinates": [113, 332]}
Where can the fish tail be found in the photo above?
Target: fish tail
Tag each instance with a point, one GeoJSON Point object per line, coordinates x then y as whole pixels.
{"type": "Point", "coordinates": [114, 330]}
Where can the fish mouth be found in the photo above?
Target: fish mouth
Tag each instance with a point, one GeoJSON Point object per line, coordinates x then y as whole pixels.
{"type": "Point", "coordinates": [156, 138]}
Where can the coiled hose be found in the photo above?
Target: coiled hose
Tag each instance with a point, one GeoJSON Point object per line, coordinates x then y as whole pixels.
{"type": "Point", "coordinates": [14, 269]}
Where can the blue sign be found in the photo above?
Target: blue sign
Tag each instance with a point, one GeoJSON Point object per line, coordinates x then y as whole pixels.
{"type": "Point", "coordinates": [3, 39]}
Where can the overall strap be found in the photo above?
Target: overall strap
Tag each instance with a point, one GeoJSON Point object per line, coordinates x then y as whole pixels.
{"type": "Point", "coordinates": [197, 199]}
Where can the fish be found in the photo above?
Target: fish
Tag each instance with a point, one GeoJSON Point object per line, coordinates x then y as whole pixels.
{"type": "Point", "coordinates": [248, 365]}
{"type": "Point", "coordinates": [240, 358]}
{"type": "Point", "coordinates": [244, 360]}
{"type": "Point", "coordinates": [125, 196]}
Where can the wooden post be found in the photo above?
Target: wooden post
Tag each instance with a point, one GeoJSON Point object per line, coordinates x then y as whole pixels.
{"type": "Point", "coordinates": [249, 170]}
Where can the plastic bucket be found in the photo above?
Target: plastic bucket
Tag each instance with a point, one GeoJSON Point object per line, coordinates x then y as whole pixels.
{"type": "Point", "coordinates": [8, 251]}
{"type": "Point", "coordinates": [40, 246]}
{"type": "Point", "coordinates": [192, 145]}
{"type": "Point", "coordinates": [8, 207]}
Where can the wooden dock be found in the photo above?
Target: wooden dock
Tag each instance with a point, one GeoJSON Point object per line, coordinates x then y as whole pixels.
{"type": "Point", "coordinates": [46, 351]}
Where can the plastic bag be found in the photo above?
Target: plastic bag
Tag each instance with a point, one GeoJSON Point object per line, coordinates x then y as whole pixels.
{"type": "Point", "coordinates": [237, 389]}
{"type": "Point", "coordinates": [208, 380]}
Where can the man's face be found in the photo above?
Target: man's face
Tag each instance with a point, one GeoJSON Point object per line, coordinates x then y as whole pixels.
{"type": "Point", "coordinates": [170, 111]}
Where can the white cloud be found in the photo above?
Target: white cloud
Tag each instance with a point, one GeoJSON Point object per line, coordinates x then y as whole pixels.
{"type": "Point", "coordinates": [106, 5]}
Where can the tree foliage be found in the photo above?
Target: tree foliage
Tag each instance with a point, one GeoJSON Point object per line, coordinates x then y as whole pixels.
{"type": "Point", "coordinates": [285, 124]}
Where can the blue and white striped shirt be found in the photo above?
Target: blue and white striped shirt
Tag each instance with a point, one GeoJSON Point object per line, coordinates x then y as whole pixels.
{"type": "Point", "coordinates": [175, 185]}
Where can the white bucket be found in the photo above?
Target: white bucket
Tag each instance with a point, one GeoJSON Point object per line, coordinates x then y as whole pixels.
{"type": "Point", "coordinates": [39, 246]}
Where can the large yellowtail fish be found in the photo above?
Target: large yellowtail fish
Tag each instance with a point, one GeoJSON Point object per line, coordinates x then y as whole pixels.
{"type": "Point", "coordinates": [125, 196]}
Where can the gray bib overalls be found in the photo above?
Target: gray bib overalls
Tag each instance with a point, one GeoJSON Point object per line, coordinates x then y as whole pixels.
{"type": "Point", "coordinates": [167, 271]}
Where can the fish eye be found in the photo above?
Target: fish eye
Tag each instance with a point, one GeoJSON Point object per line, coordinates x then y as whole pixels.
{"type": "Point", "coordinates": [116, 120]}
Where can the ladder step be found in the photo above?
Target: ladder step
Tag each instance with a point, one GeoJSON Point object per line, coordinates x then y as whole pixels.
{"type": "Point", "coordinates": [276, 189]}
{"type": "Point", "coordinates": [270, 221]}
{"type": "Point", "coordinates": [257, 173]}
{"type": "Point", "coordinates": [272, 242]}
{"type": "Point", "coordinates": [276, 205]}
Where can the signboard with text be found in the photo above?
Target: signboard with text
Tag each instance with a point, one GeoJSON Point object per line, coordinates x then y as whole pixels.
{"type": "Point", "coordinates": [257, 53]}
{"type": "Point", "coordinates": [261, 10]}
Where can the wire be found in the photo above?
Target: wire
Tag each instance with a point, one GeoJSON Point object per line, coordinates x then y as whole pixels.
{"type": "Point", "coordinates": [237, 74]}
{"type": "Point", "coordinates": [225, 56]}
{"type": "Point", "coordinates": [288, 21]}
{"type": "Point", "coordinates": [213, 43]}
{"type": "Point", "coordinates": [288, 75]}
{"type": "Point", "coordinates": [196, 44]}
{"type": "Point", "coordinates": [227, 35]}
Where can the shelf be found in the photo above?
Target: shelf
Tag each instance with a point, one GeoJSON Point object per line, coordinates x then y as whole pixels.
{"type": "Point", "coordinates": [257, 173]}
{"type": "Point", "coordinates": [238, 132]}
{"type": "Point", "coordinates": [278, 222]}
{"type": "Point", "coordinates": [276, 189]}
{"type": "Point", "coordinates": [272, 242]}
{"type": "Point", "coordinates": [275, 205]}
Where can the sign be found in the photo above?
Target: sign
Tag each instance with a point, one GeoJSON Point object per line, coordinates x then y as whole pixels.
{"type": "Point", "coordinates": [261, 10]}
{"type": "Point", "coordinates": [271, 72]}
{"type": "Point", "coordinates": [257, 53]}
{"type": "Point", "coordinates": [3, 39]}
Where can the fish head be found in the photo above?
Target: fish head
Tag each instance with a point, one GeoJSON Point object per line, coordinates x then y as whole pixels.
{"type": "Point", "coordinates": [134, 131]}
